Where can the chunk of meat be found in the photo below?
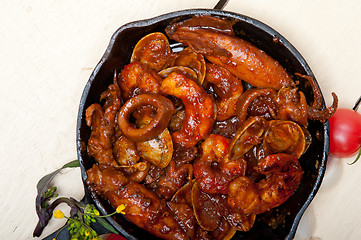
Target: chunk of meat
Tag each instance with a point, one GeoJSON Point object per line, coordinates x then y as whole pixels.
{"type": "Point", "coordinates": [143, 207]}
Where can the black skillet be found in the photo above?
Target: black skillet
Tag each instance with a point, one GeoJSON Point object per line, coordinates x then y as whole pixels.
{"type": "Point", "coordinates": [279, 223]}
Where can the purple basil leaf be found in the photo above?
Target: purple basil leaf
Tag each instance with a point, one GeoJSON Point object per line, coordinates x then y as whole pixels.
{"type": "Point", "coordinates": [43, 213]}
{"type": "Point", "coordinates": [73, 211]}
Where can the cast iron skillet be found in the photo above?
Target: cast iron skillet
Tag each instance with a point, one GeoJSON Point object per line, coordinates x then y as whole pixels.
{"type": "Point", "coordinates": [279, 223]}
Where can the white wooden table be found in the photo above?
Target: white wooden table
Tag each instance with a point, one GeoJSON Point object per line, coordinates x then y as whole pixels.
{"type": "Point", "coordinates": [48, 50]}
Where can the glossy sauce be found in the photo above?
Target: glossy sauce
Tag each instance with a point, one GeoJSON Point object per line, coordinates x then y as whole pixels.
{"type": "Point", "coordinates": [208, 156]}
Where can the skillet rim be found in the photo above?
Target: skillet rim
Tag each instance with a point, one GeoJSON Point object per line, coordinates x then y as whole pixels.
{"type": "Point", "coordinates": [174, 15]}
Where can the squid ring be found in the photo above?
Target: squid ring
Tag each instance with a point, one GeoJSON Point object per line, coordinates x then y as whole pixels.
{"type": "Point", "coordinates": [246, 99]}
{"type": "Point", "coordinates": [164, 111]}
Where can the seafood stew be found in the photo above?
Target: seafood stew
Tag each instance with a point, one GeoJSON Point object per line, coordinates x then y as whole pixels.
{"type": "Point", "coordinates": [212, 132]}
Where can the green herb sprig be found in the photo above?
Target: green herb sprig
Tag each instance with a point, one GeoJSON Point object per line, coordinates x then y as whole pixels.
{"type": "Point", "coordinates": [81, 215]}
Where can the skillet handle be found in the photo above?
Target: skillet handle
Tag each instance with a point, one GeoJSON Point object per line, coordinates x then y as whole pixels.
{"type": "Point", "coordinates": [221, 4]}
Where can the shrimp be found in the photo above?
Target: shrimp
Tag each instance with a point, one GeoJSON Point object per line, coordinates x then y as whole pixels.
{"type": "Point", "coordinates": [283, 175]}
{"type": "Point", "coordinates": [215, 38]}
{"type": "Point", "coordinates": [227, 88]}
{"type": "Point", "coordinates": [199, 109]}
{"type": "Point", "coordinates": [213, 170]}
{"type": "Point", "coordinates": [137, 78]}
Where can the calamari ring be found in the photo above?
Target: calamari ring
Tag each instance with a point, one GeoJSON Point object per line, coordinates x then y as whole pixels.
{"type": "Point", "coordinates": [164, 111]}
{"type": "Point", "coordinates": [247, 98]}
{"type": "Point", "coordinates": [199, 109]}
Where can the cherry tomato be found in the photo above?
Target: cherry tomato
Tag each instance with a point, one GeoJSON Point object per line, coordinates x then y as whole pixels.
{"type": "Point", "coordinates": [345, 133]}
{"type": "Point", "coordinates": [113, 236]}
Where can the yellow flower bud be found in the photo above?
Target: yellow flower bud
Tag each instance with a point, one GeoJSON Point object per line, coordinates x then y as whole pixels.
{"type": "Point", "coordinates": [120, 209]}
{"type": "Point", "coordinates": [58, 214]}
{"type": "Point", "coordinates": [96, 212]}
